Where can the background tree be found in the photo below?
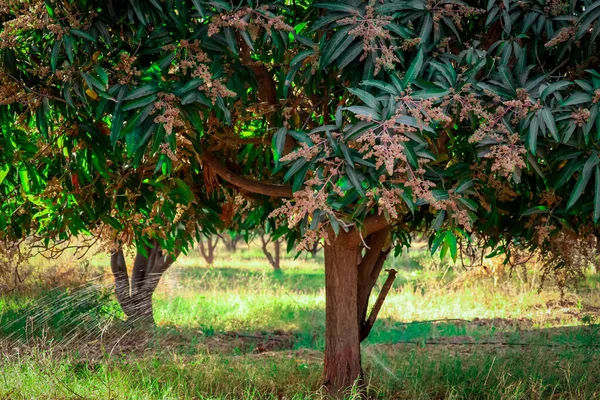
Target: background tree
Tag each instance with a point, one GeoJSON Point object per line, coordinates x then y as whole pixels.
{"type": "Point", "coordinates": [275, 257]}
{"type": "Point", "coordinates": [207, 248]}
{"type": "Point", "coordinates": [148, 121]}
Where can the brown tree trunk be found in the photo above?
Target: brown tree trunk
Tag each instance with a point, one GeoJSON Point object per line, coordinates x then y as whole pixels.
{"type": "Point", "coordinates": [277, 245]}
{"type": "Point", "coordinates": [231, 242]}
{"type": "Point", "coordinates": [207, 249]}
{"type": "Point", "coordinates": [342, 341]}
{"type": "Point", "coordinates": [349, 280]}
{"type": "Point", "coordinates": [274, 260]}
{"type": "Point", "coordinates": [135, 297]}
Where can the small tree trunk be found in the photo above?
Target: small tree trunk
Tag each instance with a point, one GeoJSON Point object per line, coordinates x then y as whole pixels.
{"type": "Point", "coordinates": [231, 242]}
{"type": "Point", "coordinates": [342, 340]}
{"type": "Point", "coordinates": [207, 249]}
{"type": "Point", "coordinates": [135, 297]}
{"type": "Point", "coordinates": [273, 260]}
{"type": "Point", "coordinates": [315, 250]}
{"type": "Point", "coordinates": [277, 254]}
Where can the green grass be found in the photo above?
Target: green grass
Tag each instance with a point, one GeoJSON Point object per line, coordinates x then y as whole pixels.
{"type": "Point", "coordinates": [238, 330]}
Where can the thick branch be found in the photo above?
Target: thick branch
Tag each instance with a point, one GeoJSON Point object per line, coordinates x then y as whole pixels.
{"type": "Point", "coordinates": [142, 266]}
{"type": "Point", "coordinates": [119, 271]}
{"type": "Point", "coordinates": [371, 224]}
{"type": "Point", "coordinates": [266, 84]}
{"type": "Point", "coordinates": [365, 329]}
{"type": "Point", "coordinates": [244, 183]}
{"type": "Point", "coordinates": [370, 267]}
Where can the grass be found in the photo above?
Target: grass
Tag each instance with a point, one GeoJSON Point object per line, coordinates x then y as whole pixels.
{"type": "Point", "coordinates": [238, 330]}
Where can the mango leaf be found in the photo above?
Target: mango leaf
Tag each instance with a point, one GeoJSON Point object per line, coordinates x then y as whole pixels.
{"type": "Point", "coordinates": [366, 97]}
{"type": "Point", "coordinates": [533, 134]}
{"type": "Point", "coordinates": [349, 55]}
{"type": "Point", "coordinates": [24, 177]}
{"type": "Point", "coordinates": [336, 46]}
{"type": "Point", "coordinates": [550, 124]}
{"type": "Point", "coordinates": [577, 98]}
{"type": "Point", "coordinates": [185, 191]}
{"type": "Point", "coordinates": [583, 179]}
{"type": "Point", "coordinates": [414, 69]}
{"type": "Point", "coordinates": [278, 143]}
{"type": "Point", "coordinates": [3, 172]}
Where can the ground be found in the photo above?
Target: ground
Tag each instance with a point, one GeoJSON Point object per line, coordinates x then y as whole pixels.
{"type": "Point", "coordinates": [238, 330]}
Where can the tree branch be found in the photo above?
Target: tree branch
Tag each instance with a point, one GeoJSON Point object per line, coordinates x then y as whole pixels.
{"type": "Point", "coordinates": [370, 267]}
{"type": "Point", "coordinates": [119, 271]}
{"type": "Point", "coordinates": [365, 329]}
{"type": "Point", "coordinates": [370, 225]}
{"type": "Point", "coordinates": [244, 183]}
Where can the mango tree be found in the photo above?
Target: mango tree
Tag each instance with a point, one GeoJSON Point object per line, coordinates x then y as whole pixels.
{"type": "Point", "coordinates": [355, 123]}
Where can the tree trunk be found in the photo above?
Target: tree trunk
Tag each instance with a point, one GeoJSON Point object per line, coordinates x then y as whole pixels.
{"type": "Point", "coordinates": [342, 340]}
{"type": "Point", "coordinates": [273, 260]}
{"type": "Point", "coordinates": [207, 249]}
{"type": "Point", "coordinates": [349, 280]}
{"type": "Point", "coordinates": [135, 297]}
{"type": "Point", "coordinates": [277, 254]}
{"type": "Point", "coordinates": [231, 242]}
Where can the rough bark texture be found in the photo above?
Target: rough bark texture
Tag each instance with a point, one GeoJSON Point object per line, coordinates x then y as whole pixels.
{"type": "Point", "coordinates": [342, 345]}
{"type": "Point", "coordinates": [135, 297]}
{"type": "Point", "coordinates": [349, 280]}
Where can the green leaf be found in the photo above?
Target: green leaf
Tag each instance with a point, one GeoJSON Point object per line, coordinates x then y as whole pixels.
{"type": "Point", "coordinates": [142, 91]}
{"type": "Point", "coordinates": [101, 74]}
{"type": "Point", "coordinates": [583, 179]}
{"type": "Point", "coordinates": [40, 120]}
{"type": "Point", "coordinates": [414, 69]}
{"type": "Point", "coordinates": [367, 111]}
{"type": "Point", "coordinates": [366, 97]}
{"type": "Point", "coordinates": [111, 221]}
{"type": "Point", "coordinates": [536, 210]}
{"type": "Point", "coordinates": [430, 94]}
{"type": "Point", "coordinates": [54, 55]}
{"type": "Point", "coordinates": [139, 103]}
{"type": "Point", "coordinates": [278, 143]}
{"type": "Point", "coordinates": [335, 46]}
{"type": "Point", "coordinates": [299, 163]}
{"type": "Point", "coordinates": [451, 240]}
{"type": "Point", "coordinates": [577, 98]}
{"type": "Point", "coordinates": [83, 34]}
{"type": "Point", "coordinates": [199, 7]}
{"type": "Point", "coordinates": [386, 87]}
{"type": "Point", "coordinates": [349, 55]}
{"type": "Point", "coordinates": [3, 172]}
{"type": "Point", "coordinates": [533, 134]}
{"type": "Point", "coordinates": [549, 120]}
{"type": "Point", "coordinates": [115, 129]}
{"type": "Point", "coordinates": [185, 191]}
{"type": "Point", "coordinates": [356, 181]}
{"type": "Point", "coordinates": [336, 6]}
{"type": "Point", "coordinates": [24, 176]}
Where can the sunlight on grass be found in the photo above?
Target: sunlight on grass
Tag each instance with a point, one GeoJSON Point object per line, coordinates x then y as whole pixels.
{"type": "Point", "coordinates": [239, 330]}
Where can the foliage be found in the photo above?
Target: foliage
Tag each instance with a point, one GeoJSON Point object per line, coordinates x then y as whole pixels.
{"type": "Point", "coordinates": [471, 119]}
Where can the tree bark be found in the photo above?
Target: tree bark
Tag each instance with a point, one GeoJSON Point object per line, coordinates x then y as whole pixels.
{"type": "Point", "coordinates": [349, 280]}
{"type": "Point", "coordinates": [342, 344]}
{"type": "Point", "coordinates": [135, 297]}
